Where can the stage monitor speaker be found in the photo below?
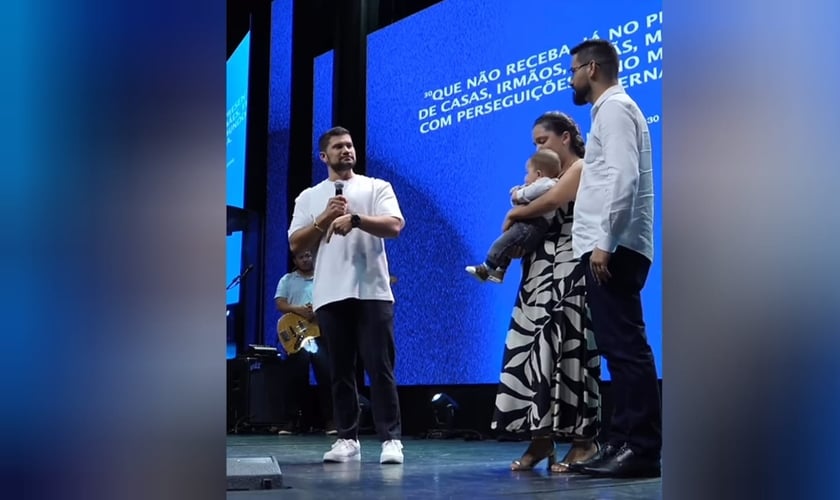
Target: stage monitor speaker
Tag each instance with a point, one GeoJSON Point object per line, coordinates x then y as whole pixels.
{"type": "Point", "coordinates": [253, 473]}
{"type": "Point", "coordinates": [254, 392]}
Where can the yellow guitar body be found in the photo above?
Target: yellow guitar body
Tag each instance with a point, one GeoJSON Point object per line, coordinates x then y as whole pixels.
{"type": "Point", "coordinates": [293, 329]}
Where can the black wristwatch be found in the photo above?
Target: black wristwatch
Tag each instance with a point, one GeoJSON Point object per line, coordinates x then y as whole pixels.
{"type": "Point", "coordinates": [355, 220]}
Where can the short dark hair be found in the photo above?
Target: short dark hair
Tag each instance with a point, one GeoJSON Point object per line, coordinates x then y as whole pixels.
{"type": "Point", "coordinates": [558, 123]}
{"type": "Point", "coordinates": [324, 140]}
{"type": "Point", "coordinates": [547, 162]}
{"type": "Point", "coordinates": [602, 52]}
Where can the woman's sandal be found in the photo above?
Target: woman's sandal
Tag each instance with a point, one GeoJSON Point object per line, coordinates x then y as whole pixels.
{"type": "Point", "coordinates": [563, 465]}
{"type": "Point", "coordinates": [530, 459]}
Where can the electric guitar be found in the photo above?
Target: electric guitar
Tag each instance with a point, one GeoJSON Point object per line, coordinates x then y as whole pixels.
{"type": "Point", "coordinates": [293, 329]}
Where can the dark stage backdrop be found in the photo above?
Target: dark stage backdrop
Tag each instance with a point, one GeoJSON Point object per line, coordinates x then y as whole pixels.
{"type": "Point", "coordinates": [321, 109]}
{"type": "Point", "coordinates": [276, 222]}
{"type": "Point", "coordinates": [452, 94]}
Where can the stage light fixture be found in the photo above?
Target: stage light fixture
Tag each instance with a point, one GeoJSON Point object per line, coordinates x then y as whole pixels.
{"type": "Point", "coordinates": [444, 408]}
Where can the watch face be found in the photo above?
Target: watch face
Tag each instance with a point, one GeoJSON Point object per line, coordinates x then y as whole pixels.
{"type": "Point", "coordinates": [355, 220]}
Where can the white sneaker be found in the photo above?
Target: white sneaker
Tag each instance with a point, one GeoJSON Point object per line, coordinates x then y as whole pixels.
{"type": "Point", "coordinates": [391, 452]}
{"type": "Point", "coordinates": [483, 273]}
{"type": "Point", "coordinates": [479, 272]}
{"type": "Point", "coordinates": [344, 450]}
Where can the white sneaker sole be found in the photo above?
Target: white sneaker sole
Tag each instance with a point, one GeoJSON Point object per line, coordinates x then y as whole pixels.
{"type": "Point", "coordinates": [393, 459]}
{"type": "Point", "coordinates": [340, 460]}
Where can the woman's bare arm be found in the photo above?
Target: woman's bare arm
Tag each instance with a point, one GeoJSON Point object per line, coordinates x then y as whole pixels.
{"type": "Point", "coordinates": [559, 195]}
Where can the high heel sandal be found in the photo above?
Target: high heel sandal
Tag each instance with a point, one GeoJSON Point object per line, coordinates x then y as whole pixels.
{"type": "Point", "coordinates": [530, 459]}
{"type": "Point", "coordinates": [563, 465]}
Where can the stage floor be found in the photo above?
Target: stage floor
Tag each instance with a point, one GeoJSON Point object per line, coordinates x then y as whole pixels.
{"type": "Point", "coordinates": [451, 468]}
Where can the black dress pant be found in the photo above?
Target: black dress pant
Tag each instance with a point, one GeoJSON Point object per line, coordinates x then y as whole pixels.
{"type": "Point", "coordinates": [619, 329]}
{"type": "Point", "coordinates": [296, 380]}
{"type": "Point", "coordinates": [362, 329]}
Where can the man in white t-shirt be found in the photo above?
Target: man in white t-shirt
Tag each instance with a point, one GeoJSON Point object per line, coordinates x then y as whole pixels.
{"type": "Point", "coordinates": [348, 216]}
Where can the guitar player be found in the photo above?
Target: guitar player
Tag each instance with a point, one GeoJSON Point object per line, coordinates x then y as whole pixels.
{"type": "Point", "coordinates": [294, 295]}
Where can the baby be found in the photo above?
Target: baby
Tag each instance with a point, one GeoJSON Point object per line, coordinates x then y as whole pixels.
{"type": "Point", "coordinates": [542, 169]}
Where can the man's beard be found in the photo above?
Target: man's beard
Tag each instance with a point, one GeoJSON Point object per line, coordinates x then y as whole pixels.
{"type": "Point", "coordinates": [581, 97]}
{"type": "Point", "coordinates": [341, 166]}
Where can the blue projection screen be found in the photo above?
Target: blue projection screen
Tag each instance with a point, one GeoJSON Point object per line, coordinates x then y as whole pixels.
{"type": "Point", "coordinates": [233, 249]}
{"type": "Point", "coordinates": [453, 92]}
{"type": "Point", "coordinates": [237, 108]}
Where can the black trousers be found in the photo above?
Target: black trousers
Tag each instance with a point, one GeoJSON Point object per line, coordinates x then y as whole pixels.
{"type": "Point", "coordinates": [362, 328]}
{"type": "Point", "coordinates": [619, 329]}
{"type": "Point", "coordinates": [296, 379]}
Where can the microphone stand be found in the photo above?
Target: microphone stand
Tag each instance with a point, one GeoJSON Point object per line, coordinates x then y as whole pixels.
{"type": "Point", "coordinates": [238, 279]}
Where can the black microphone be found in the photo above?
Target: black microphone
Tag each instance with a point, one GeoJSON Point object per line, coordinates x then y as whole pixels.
{"type": "Point", "coordinates": [339, 188]}
{"type": "Point", "coordinates": [246, 271]}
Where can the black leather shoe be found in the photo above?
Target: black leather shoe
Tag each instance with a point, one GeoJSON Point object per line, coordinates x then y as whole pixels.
{"type": "Point", "coordinates": [625, 463]}
{"type": "Point", "coordinates": [605, 453]}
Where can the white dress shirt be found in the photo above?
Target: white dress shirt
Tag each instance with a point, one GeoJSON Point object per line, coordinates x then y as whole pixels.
{"type": "Point", "coordinates": [614, 204]}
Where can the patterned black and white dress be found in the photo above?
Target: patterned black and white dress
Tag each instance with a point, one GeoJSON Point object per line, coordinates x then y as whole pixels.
{"type": "Point", "coordinates": [550, 367]}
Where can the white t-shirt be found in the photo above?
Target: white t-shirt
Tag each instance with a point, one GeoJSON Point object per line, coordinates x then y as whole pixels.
{"type": "Point", "coordinates": [355, 265]}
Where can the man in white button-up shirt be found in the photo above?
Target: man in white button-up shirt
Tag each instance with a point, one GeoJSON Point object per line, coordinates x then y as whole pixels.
{"type": "Point", "coordinates": [613, 235]}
